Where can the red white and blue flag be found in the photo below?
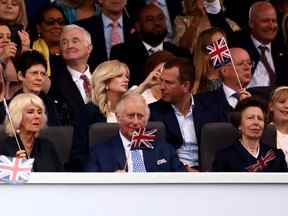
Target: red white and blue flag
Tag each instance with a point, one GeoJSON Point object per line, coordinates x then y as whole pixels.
{"type": "Point", "coordinates": [15, 170]}
{"type": "Point", "coordinates": [141, 139]}
{"type": "Point", "coordinates": [219, 53]}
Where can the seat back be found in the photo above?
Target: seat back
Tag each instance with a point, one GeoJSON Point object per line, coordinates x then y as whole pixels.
{"type": "Point", "coordinates": [217, 136]}
{"type": "Point", "coordinates": [103, 132]}
{"type": "Point", "coordinates": [61, 137]}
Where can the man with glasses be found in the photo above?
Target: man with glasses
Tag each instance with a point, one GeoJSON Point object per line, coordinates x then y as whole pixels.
{"type": "Point", "coordinates": [217, 105]}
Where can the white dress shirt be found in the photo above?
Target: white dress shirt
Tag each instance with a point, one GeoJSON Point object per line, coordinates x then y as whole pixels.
{"type": "Point", "coordinates": [127, 148]}
{"type": "Point", "coordinates": [107, 24]}
{"type": "Point", "coordinates": [155, 49]}
{"type": "Point", "coordinates": [261, 76]}
{"type": "Point", "coordinates": [80, 82]}
{"type": "Point", "coordinates": [213, 7]}
{"type": "Point", "coordinates": [188, 152]}
{"type": "Point", "coordinates": [229, 95]}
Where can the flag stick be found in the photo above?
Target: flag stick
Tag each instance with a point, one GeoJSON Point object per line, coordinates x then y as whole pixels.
{"type": "Point", "coordinates": [233, 65]}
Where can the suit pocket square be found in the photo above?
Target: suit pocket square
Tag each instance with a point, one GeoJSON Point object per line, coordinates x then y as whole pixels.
{"type": "Point", "coordinates": [161, 161]}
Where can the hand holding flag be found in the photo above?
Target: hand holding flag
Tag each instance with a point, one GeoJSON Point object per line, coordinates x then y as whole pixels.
{"type": "Point", "coordinates": [220, 55]}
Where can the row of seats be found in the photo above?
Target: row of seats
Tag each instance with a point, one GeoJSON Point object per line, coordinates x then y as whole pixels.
{"type": "Point", "coordinates": [215, 136]}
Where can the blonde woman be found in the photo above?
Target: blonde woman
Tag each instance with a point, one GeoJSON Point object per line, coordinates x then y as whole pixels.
{"type": "Point", "coordinates": [28, 117]}
{"type": "Point", "coordinates": [13, 14]}
{"type": "Point", "coordinates": [279, 115]}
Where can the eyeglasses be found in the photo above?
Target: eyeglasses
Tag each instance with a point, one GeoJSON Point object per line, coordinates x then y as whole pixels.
{"type": "Point", "coordinates": [247, 62]}
{"type": "Point", "coordinates": [51, 22]}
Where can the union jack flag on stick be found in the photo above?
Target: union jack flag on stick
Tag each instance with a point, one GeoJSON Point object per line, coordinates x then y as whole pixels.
{"type": "Point", "coordinates": [220, 55]}
{"type": "Point", "coordinates": [142, 138]}
{"type": "Point", "coordinates": [15, 170]}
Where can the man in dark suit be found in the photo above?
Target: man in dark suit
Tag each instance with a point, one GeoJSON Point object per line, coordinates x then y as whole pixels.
{"type": "Point", "coordinates": [101, 27]}
{"type": "Point", "coordinates": [177, 110]}
{"type": "Point", "coordinates": [70, 85]}
{"type": "Point", "coordinates": [217, 105]}
{"type": "Point", "coordinates": [132, 113]}
{"type": "Point", "coordinates": [151, 31]}
{"type": "Point", "coordinates": [266, 51]}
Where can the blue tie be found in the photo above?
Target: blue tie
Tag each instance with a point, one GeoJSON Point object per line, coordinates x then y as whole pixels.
{"type": "Point", "coordinates": [138, 163]}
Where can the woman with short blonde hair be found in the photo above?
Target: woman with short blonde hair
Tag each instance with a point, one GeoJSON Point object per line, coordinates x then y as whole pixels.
{"type": "Point", "coordinates": [28, 118]}
{"type": "Point", "coordinates": [16, 107]}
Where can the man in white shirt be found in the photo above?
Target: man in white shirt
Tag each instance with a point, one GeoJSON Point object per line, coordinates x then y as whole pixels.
{"type": "Point", "coordinates": [132, 113]}
{"type": "Point", "coordinates": [176, 110]}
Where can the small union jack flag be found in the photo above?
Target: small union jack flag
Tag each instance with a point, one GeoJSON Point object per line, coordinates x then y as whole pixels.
{"type": "Point", "coordinates": [141, 139]}
{"type": "Point", "coordinates": [262, 162]}
{"type": "Point", "coordinates": [219, 53]}
{"type": "Point", "coordinates": [15, 170]}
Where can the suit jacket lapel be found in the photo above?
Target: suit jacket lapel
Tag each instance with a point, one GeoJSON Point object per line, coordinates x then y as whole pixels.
{"type": "Point", "coordinates": [172, 124]}
{"type": "Point", "coordinates": [70, 89]}
{"type": "Point", "coordinates": [119, 155]}
{"type": "Point", "coordinates": [150, 158]}
{"type": "Point", "coordinates": [101, 37]}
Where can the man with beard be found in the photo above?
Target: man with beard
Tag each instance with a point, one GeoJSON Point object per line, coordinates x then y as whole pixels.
{"type": "Point", "coordinates": [151, 32]}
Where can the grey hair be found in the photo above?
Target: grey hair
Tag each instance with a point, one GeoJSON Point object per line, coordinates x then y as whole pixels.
{"type": "Point", "coordinates": [254, 7]}
{"type": "Point", "coordinates": [135, 97]}
{"type": "Point", "coordinates": [86, 34]}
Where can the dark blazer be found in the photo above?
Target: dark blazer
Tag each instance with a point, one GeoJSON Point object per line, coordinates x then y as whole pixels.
{"type": "Point", "coordinates": [89, 115]}
{"type": "Point", "coordinates": [65, 92]}
{"type": "Point", "coordinates": [53, 117]}
{"type": "Point", "coordinates": [44, 153]}
{"type": "Point", "coordinates": [236, 158]}
{"type": "Point", "coordinates": [163, 111]}
{"type": "Point", "coordinates": [94, 25]}
{"type": "Point", "coordinates": [134, 54]}
{"type": "Point", "coordinates": [174, 8]}
{"type": "Point", "coordinates": [215, 107]}
{"type": "Point", "coordinates": [243, 39]}
{"type": "Point", "coordinates": [278, 50]}
{"type": "Point", "coordinates": [110, 157]}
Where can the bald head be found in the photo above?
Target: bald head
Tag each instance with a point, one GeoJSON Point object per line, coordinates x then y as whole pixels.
{"type": "Point", "coordinates": [263, 21]}
{"type": "Point", "coordinates": [243, 65]}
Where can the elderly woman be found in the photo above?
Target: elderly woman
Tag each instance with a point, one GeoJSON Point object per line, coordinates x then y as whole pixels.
{"type": "Point", "coordinates": [279, 116]}
{"type": "Point", "coordinates": [248, 154]}
{"type": "Point", "coordinates": [31, 67]}
{"type": "Point", "coordinates": [28, 118]}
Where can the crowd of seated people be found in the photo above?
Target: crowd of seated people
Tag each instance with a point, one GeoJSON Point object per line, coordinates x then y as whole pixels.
{"type": "Point", "coordinates": [79, 63]}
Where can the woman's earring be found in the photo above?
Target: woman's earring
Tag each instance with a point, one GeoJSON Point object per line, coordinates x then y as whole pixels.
{"type": "Point", "coordinates": [107, 88]}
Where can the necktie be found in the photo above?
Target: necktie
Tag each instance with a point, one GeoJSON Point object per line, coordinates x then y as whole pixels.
{"type": "Point", "coordinates": [115, 35]}
{"type": "Point", "coordinates": [236, 95]}
{"type": "Point", "coordinates": [86, 85]}
{"type": "Point", "coordinates": [138, 163]}
{"type": "Point", "coordinates": [151, 51]}
{"type": "Point", "coordinates": [266, 64]}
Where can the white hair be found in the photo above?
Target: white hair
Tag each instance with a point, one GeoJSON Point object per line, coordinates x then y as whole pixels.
{"type": "Point", "coordinates": [86, 34]}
